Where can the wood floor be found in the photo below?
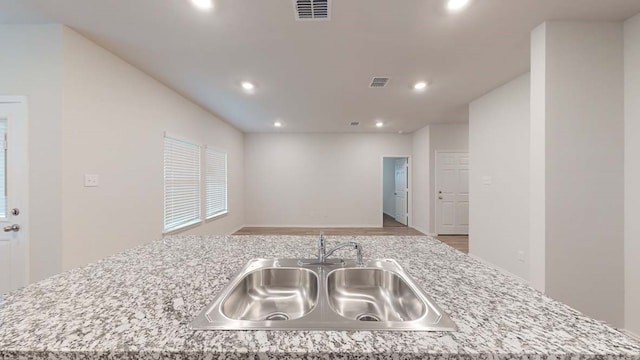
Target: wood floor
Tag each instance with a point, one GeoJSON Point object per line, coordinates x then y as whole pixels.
{"type": "Point", "coordinates": [388, 221]}
{"type": "Point", "coordinates": [459, 242]}
{"type": "Point", "coordinates": [383, 231]}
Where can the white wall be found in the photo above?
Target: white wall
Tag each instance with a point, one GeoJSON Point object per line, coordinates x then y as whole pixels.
{"type": "Point", "coordinates": [31, 66]}
{"type": "Point", "coordinates": [425, 143]}
{"type": "Point", "coordinates": [537, 160]}
{"type": "Point", "coordinates": [317, 179]}
{"type": "Point", "coordinates": [421, 179]}
{"type": "Point", "coordinates": [389, 186]}
{"type": "Point", "coordinates": [114, 118]}
{"type": "Point", "coordinates": [499, 150]}
{"type": "Point", "coordinates": [632, 173]}
{"type": "Point", "coordinates": [90, 112]}
{"type": "Point", "coordinates": [443, 137]}
{"type": "Point", "coordinates": [584, 140]}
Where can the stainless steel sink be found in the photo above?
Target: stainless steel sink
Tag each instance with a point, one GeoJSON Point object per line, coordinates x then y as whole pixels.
{"type": "Point", "coordinates": [372, 295]}
{"type": "Point", "coordinates": [272, 294]}
{"type": "Point", "coordinates": [296, 294]}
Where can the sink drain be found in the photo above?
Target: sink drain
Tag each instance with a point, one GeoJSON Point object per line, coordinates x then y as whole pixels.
{"type": "Point", "coordinates": [367, 317]}
{"type": "Point", "coordinates": [277, 316]}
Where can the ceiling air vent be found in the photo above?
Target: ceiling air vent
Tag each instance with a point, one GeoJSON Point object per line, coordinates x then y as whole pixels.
{"type": "Point", "coordinates": [355, 123]}
{"type": "Point", "coordinates": [379, 82]}
{"type": "Point", "coordinates": [312, 9]}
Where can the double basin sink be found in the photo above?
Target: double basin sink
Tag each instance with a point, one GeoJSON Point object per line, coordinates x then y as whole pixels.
{"type": "Point", "coordinates": [295, 294]}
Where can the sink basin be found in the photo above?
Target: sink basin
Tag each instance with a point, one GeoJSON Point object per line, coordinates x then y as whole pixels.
{"type": "Point", "coordinates": [272, 294]}
{"type": "Point", "coordinates": [372, 295]}
{"type": "Point", "coordinates": [301, 294]}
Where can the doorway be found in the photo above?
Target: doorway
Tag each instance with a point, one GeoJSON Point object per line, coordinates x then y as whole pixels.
{"type": "Point", "coordinates": [395, 192]}
{"type": "Point", "coordinates": [452, 193]}
{"type": "Point", "coordinates": [13, 193]}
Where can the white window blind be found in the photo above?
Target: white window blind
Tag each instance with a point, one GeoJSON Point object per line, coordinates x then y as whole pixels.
{"type": "Point", "coordinates": [3, 168]}
{"type": "Point", "coordinates": [182, 199]}
{"type": "Point", "coordinates": [216, 182]}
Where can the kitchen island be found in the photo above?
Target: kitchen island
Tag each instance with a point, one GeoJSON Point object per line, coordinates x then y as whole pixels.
{"type": "Point", "coordinates": [139, 304]}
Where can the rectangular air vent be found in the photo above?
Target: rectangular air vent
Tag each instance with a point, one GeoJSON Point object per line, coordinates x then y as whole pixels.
{"type": "Point", "coordinates": [312, 9]}
{"type": "Point", "coordinates": [355, 123]}
{"type": "Point", "coordinates": [379, 82]}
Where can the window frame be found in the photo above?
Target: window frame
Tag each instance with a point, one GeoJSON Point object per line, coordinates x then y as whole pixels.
{"type": "Point", "coordinates": [225, 211]}
{"type": "Point", "coordinates": [199, 218]}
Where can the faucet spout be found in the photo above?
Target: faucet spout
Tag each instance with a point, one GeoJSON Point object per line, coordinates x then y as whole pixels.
{"type": "Point", "coordinates": [323, 253]}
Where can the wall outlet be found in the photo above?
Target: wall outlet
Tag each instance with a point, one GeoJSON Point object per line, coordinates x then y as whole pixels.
{"type": "Point", "coordinates": [90, 180]}
{"type": "Point", "coordinates": [521, 256]}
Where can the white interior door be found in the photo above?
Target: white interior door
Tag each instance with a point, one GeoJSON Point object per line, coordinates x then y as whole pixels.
{"type": "Point", "coordinates": [401, 191]}
{"type": "Point", "coordinates": [13, 193]}
{"type": "Point", "coordinates": [452, 193]}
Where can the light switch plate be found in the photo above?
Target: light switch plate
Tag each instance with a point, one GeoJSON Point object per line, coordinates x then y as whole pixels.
{"type": "Point", "coordinates": [90, 180]}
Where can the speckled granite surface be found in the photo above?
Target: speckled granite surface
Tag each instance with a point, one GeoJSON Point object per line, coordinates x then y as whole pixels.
{"type": "Point", "coordinates": [138, 305]}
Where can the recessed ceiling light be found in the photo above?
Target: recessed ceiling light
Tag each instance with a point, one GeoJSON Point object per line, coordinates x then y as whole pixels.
{"type": "Point", "coordinates": [248, 86]}
{"type": "Point", "coordinates": [455, 5]}
{"type": "Point", "coordinates": [277, 124]}
{"type": "Point", "coordinates": [379, 124]}
{"type": "Point", "coordinates": [203, 4]}
{"type": "Point", "coordinates": [420, 85]}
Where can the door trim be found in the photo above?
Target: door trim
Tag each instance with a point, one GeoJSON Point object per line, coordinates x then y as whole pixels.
{"type": "Point", "coordinates": [23, 113]}
{"type": "Point", "coordinates": [409, 188]}
{"type": "Point", "coordinates": [436, 208]}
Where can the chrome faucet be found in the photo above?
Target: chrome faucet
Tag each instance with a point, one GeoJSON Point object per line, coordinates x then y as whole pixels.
{"type": "Point", "coordinates": [323, 254]}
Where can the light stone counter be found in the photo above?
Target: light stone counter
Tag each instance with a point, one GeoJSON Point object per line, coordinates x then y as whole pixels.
{"type": "Point", "coordinates": [138, 304]}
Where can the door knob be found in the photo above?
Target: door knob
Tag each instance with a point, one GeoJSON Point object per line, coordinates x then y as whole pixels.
{"type": "Point", "coordinates": [14, 227]}
{"type": "Point", "coordinates": [439, 197]}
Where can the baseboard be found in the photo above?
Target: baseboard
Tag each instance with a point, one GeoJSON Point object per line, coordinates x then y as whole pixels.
{"type": "Point", "coordinates": [419, 229]}
{"type": "Point", "coordinates": [236, 230]}
{"type": "Point", "coordinates": [502, 270]}
{"type": "Point", "coordinates": [631, 334]}
{"type": "Point", "coordinates": [315, 226]}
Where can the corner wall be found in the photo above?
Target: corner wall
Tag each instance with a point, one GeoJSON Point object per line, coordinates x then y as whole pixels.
{"type": "Point", "coordinates": [114, 119]}
{"type": "Point", "coordinates": [499, 176]}
{"type": "Point", "coordinates": [313, 180]}
{"type": "Point", "coordinates": [537, 160]}
{"type": "Point", "coordinates": [582, 108]}
{"type": "Point", "coordinates": [24, 72]}
{"type": "Point", "coordinates": [421, 179]}
{"type": "Point", "coordinates": [632, 173]}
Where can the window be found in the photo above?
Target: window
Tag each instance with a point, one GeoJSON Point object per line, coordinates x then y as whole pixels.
{"type": "Point", "coordinates": [182, 188]}
{"type": "Point", "coordinates": [216, 183]}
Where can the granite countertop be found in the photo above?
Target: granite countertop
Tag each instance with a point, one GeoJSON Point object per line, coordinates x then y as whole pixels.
{"type": "Point", "coordinates": [138, 304]}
